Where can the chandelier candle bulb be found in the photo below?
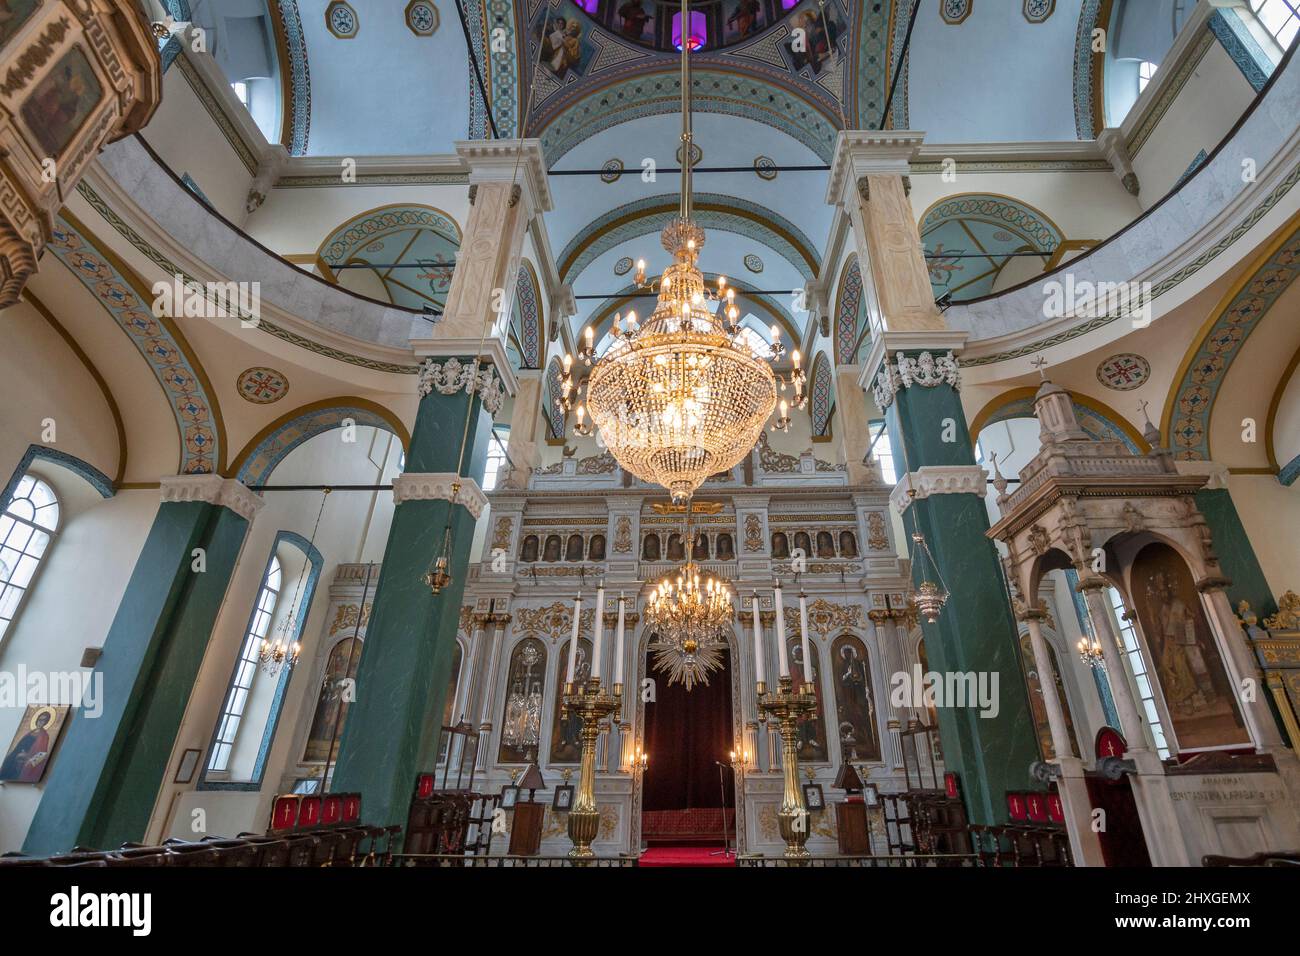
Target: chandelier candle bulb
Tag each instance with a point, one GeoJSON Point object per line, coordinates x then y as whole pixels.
{"type": "Point", "coordinates": [760, 671]}
{"type": "Point", "coordinates": [803, 640]}
{"type": "Point", "coordinates": [600, 632]}
{"type": "Point", "coordinates": [618, 647]}
{"type": "Point", "coordinates": [782, 660]}
{"type": "Point", "coordinates": [573, 641]}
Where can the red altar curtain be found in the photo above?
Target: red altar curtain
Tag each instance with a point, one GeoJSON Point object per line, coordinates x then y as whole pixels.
{"type": "Point", "coordinates": [686, 733]}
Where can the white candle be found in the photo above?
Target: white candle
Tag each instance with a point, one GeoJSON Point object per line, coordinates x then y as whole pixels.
{"type": "Point", "coordinates": [803, 631]}
{"type": "Point", "coordinates": [618, 643]}
{"type": "Point", "coordinates": [782, 661]}
{"type": "Point", "coordinates": [573, 641]}
{"type": "Point", "coordinates": [600, 631]}
{"type": "Point", "coordinates": [760, 670]}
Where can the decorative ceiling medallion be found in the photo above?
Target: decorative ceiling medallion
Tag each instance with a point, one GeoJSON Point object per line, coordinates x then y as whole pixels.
{"type": "Point", "coordinates": [697, 154]}
{"type": "Point", "coordinates": [623, 266]}
{"type": "Point", "coordinates": [955, 11]}
{"type": "Point", "coordinates": [765, 167]}
{"type": "Point", "coordinates": [611, 171]}
{"type": "Point", "coordinates": [1036, 11]}
{"type": "Point", "coordinates": [341, 20]}
{"type": "Point", "coordinates": [753, 263]}
{"type": "Point", "coordinates": [262, 386]}
{"type": "Point", "coordinates": [1124, 372]}
{"type": "Point", "coordinates": [422, 18]}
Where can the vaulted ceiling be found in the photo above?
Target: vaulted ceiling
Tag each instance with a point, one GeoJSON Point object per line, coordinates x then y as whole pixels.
{"type": "Point", "coordinates": [598, 82]}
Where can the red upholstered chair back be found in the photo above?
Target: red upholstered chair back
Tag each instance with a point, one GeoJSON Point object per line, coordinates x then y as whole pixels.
{"type": "Point", "coordinates": [423, 785]}
{"type": "Point", "coordinates": [331, 810]}
{"type": "Point", "coordinates": [309, 812]}
{"type": "Point", "coordinates": [284, 812]}
{"type": "Point", "coordinates": [1016, 808]}
{"type": "Point", "coordinates": [351, 808]}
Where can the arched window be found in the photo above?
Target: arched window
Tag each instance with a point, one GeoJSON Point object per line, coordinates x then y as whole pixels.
{"type": "Point", "coordinates": [259, 627]}
{"type": "Point", "coordinates": [29, 523]}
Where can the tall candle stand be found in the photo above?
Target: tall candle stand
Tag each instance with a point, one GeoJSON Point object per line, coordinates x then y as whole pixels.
{"type": "Point", "coordinates": [591, 706]}
{"type": "Point", "coordinates": [789, 706]}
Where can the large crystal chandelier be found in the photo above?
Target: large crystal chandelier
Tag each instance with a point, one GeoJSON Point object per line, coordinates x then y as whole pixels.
{"type": "Point", "coordinates": [689, 611]}
{"type": "Point", "coordinates": [685, 394]}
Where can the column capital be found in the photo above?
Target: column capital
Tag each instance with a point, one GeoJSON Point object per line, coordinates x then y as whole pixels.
{"type": "Point", "coordinates": [938, 480]}
{"type": "Point", "coordinates": [214, 490]}
{"type": "Point", "coordinates": [437, 486]}
{"type": "Point", "coordinates": [860, 152]}
{"type": "Point", "coordinates": [518, 161]}
{"type": "Point", "coordinates": [496, 376]}
{"type": "Point", "coordinates": [935, 341]}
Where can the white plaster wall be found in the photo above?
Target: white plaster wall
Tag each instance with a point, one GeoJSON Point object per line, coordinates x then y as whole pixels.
{"type": "Point", "coordinates": [70, 606]}
{"type": "Point", "coordinates": [1270, 513]}
{"type": "Point", "coordinates": [1083, 205]}
{"type": "Point", "coordinates": [1286, 424]}
{"type": "Point", "coordinates": [184, 135]}
{"type": "Point", "coordinates": [295, 221]}
{"type": "Point", "coordinates": [34, 357]}
{"type": "Point", "coordinates": [1201, 115]}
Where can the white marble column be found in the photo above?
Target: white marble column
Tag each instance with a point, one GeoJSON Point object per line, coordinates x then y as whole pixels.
{"type": "Point", "coordinates": [495, 639]}
{"type": "Point", "coordinates": [1129, 716]}
{"type": "Point", "coordinates": [890, 662]}
{"type": "Point", "coordinates": [524, 418]}
{"type": "Point", "coordinates": [1047, 684]}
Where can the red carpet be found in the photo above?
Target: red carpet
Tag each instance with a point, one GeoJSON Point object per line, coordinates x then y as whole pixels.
{"type": "Point", "coordinates": [685, 856]}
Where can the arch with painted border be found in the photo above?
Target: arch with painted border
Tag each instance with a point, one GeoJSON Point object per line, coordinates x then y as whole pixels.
{"type": "Point", "coordinates": [1096, 418]}
{"type": "Point", "coordinates": [82, 469]}
{"type": "Point", "coordinates": [821, 397]}
{"type": "Point", "coordinates": [648, 216]}
{"type": "Point", "coordinates": [655, 90]}
{"type": "Point", "coordinates": [1204, 368]}
{"type": "Point", "coordinates": [126, 298]}
{"type": "Point", "coordinates": [995, 224]}
{"type": "Point", "coordinates": [550, 401]}
{"type": "Point", "coordinates": [851, 327]}
{"type": "Point", "coordinates": [345, 243]}
{"type": "Point", "coordinates": [528, 308]}
{"type": "Point", "coordinates": [265, 450]}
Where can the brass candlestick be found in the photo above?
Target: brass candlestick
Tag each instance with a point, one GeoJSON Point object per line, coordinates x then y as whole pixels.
{"type": "Point", "coordinates": [789, 707]}
{"type": "Point", "coordinates": [591, 707]}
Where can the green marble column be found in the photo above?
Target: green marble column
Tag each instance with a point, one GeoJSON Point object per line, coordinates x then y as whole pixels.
{"type": "Point", "coordinates": [1236, 556]}
{"type": "Point", "coordinates": [105, 779]}
{"type": "Point", "coordinates": [976, 632]}
{"type": "Point", "coordinates": [406, 659]}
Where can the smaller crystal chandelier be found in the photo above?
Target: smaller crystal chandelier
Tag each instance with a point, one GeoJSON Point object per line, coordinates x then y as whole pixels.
{"type": "Point", "coordinates": [283, 650]}
{"type": "Point", "coordinates": [930, 597]}
{"type": "Point", "coordinates": [273, 655]}
{"type": "Point", "coordinates": [688, 611]}
{"type": "Point", "coordinates": [1090, 653]}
